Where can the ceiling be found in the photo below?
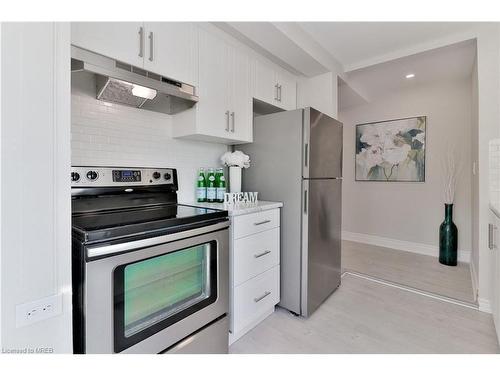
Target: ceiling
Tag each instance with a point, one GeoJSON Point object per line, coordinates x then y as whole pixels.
{"type": "Point", "coordinates": [372, 58]}
{"type": "Point", "coordinates": [279, 43]}
{"type": "Point", "coordinates": [359, 44]}
{"type": "Point", "coordinates": [453, 62]}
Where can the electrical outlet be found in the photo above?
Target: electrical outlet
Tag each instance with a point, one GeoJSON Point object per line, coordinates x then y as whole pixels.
{"type": "Point", "coordinates": [32, 312]}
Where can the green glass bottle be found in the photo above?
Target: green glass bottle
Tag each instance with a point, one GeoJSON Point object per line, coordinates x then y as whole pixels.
{"type": "Point", "coordinates": [220, 184]}
{"type": "Point", "coordinates": [448, 238]}
{"type": "Point", "coordinates": [211, 189]}
{"type": "Point", "coordinates": [201, 186]}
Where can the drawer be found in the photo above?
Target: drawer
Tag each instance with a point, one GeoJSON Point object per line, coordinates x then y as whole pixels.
{"type": "Point", "coordinates": [254, 298]}
{"type": "Point", "coordinates": [255, 254]}
{"type": "Point", "coordinates": [246, 225]}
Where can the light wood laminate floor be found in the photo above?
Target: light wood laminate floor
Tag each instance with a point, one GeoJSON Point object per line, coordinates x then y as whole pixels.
{"type": "Point", "coordinates": [363, 316]}
{"type": "Point", "coordinates": [415, 270]}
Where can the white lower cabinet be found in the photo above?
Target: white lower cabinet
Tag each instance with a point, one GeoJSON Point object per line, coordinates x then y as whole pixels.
{"type": "Point", "coordinates": [255, 300]}
{"type": "Point", "coordinates": [255, 270]}
{"type": "Point", "coordinates": [254, 255]}
{"type": "Point", "coordinates": [494, 245]}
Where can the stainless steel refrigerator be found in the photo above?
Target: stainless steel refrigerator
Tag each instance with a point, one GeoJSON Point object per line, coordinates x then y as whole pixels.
{"type": "Point", "coordinates": [296, 158]}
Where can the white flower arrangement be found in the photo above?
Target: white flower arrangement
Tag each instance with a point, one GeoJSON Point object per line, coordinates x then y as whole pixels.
{"type": "Point", "coordinates": [235, 159]}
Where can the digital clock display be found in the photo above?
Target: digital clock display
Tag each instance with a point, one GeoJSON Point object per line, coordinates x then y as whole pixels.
{"type": "Point", "coordinates": [126, 176]}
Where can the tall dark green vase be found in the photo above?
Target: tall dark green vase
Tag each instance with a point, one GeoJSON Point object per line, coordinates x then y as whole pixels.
{"type": "Point", "coordinates": [448, 238]}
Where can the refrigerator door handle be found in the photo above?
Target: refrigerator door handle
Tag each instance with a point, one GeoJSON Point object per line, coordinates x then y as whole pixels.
{"type": "Point", "coordinates": [306, 151]}
{"type": "Point", "coordinates": [305, 201]}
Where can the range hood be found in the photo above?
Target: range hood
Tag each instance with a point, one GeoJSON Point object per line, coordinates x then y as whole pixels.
{"type": "Point", "coordinates": [122, 83]}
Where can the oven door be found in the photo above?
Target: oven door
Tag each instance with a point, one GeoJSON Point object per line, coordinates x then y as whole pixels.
{"type": "Point", "coordinates": [145, 296]}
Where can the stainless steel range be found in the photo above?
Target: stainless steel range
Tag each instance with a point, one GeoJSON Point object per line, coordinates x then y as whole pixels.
{"type": "Point", "coordinates": [149, 275]}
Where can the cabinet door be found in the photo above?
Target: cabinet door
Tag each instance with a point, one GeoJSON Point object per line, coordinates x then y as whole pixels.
{"type": "Point", "coordinates": [497, 287]}
{"type": "Point", "coordinates": [240, 97]}
{"type": "Point", "coordinates": [213, 108]}
{"type": "Point", "coordinates": [288, 90]}
{"type": "Point", "coordinates": [264, 82]}
{"type": "Point", "coordinates": [118, 40]}
{"type": "Point", "coordinates": [495, 273]}
{"type": "Point", "coordinates": [172, 50]}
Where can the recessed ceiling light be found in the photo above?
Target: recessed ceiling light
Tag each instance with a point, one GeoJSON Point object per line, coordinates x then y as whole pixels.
{"type": "Point", "coordinates": [411, 75]}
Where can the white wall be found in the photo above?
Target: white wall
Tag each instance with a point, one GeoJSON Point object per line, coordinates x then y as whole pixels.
{"type": "Point", "coordinates": [35, 190]}
{"type": "Point", "coordinates": [412, 211]}
{"type": "Point", "coordinates": [319, 92]}
{"type": "Point", "coordinates": [104, 134]}
{"type": "Point", "coordinates": [0, 182]}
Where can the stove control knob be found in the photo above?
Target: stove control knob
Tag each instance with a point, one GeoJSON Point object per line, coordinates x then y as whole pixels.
{"type": "Point", "coordinates": [156, 175]}
{"type": "Point", "coordinates": [75, 176]}
{"type": "Point", "coordinates": [167, 176]}
{"type": "Point", "coordinates": [92, 175]}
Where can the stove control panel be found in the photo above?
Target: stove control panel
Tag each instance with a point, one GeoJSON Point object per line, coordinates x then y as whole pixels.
{"type": "Point", "coordinates": [127, 175]}
{"type": "Point", "coordinates": [118, 176]}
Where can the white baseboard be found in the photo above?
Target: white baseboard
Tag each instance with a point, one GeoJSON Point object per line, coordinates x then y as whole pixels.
{"type": "Point", "coordinates": [475, 280]}
{"type": "Point", "coordinates": [412, 247]}
{"type": "Point", "coordinates": [484, 305]}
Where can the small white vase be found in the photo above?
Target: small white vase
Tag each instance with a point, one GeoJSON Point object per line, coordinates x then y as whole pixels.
{"type": "Point", "coordinates": [235, 179]}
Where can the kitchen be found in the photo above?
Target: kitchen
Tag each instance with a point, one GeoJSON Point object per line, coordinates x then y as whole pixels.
{"type": "Point", "coordinates": [252, 228]}
{"type": "Point", "coordinates": [137, 109]}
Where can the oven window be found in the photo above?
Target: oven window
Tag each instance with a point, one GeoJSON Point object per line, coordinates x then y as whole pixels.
{"type": "Point", "coordinates": [154, 293]}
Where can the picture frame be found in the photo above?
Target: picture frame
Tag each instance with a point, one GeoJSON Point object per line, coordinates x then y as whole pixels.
{"type": "Point", "coordinates": [391, 150]}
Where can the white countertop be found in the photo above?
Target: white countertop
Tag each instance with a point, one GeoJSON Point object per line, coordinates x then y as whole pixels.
{"type": "Point", "coordinates": [241, 210]}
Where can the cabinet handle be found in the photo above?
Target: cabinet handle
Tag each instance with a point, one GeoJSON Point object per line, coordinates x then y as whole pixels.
{"type": "Point", "coordinates": [276, 92]}
{"type": "Point", "coordinates": [279, 93]}
{"type": "Point", "coordinates": [141, 41]}
{"type": "Point", "coordinates": [151, 46]}
{"type": "Point", "coordinates": [491, 236]}
{"type": "Point", "coordinates": [262, 222]}
{"type": "Point", "coordinates": [227, 121]}
{"type": "Point", "coordinates": [261, 297]}
{"type": "Point", "coordinates": [232, 122]}
{"type": "Point", "coordinates": [261, 254]}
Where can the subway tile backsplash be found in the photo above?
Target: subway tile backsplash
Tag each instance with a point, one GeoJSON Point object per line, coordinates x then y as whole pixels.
{"type": "Point", "coordinates": [104, 134]}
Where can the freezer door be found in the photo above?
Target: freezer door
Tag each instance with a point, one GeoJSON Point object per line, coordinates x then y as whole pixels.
{"type": "Point", "coordinates": [322, 153]}
{"type": "Point", "coordinates": [321, 247]}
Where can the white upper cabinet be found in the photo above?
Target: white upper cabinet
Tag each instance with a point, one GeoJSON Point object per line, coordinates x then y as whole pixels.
{"type": "Point", "coordinates": [240, 96]}
{"type": "Point", "coordinates": [123, 41]}
{"type": "Point", "coordinates": [213, 117]}
{"type": "Point", "coordinates": [265, 87]}
{"type": "Point", "coordinates": [166, 48]}
{"type": "Point", "coordinates": [224, 111]}
{"type": "Point", "coordinates": [287, 89]}
{"type": "Point", "coordinates": [273, 85]}
{"type": "Point", "coordinates": [172, 50]}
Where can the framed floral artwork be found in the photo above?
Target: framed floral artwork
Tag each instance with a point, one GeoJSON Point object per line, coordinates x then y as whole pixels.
{"type": "Point", "coordinates": [392, 150]}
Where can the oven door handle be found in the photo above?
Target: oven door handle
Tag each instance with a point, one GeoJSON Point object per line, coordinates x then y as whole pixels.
{"type": "Point", "coordinates": [97, 251]}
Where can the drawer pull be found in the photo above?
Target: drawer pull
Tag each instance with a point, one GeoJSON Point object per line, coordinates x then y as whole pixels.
{"type": "Point", "coordinates": [262, 222]}
{"type": "Point", "coordinates": [261, 254]}
{"type": "Point", "coordinates": [261, 297]}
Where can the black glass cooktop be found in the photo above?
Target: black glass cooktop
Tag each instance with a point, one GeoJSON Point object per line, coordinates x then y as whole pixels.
{"type": "Point", "coordinates": [111, 224]}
